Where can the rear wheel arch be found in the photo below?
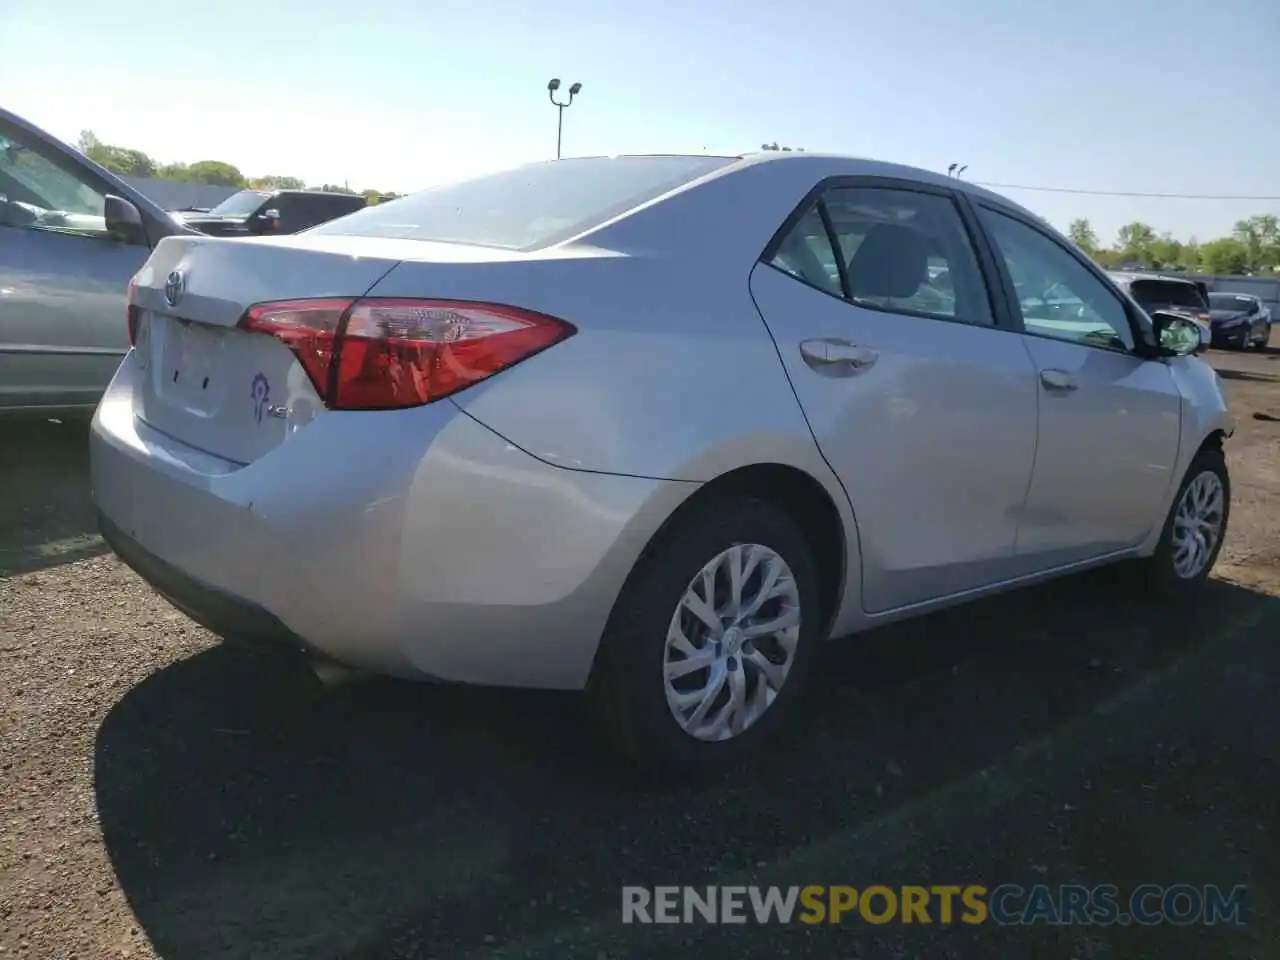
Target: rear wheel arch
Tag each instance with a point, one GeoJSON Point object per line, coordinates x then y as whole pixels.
{"type": "Point", "coordinates": [798, 494]}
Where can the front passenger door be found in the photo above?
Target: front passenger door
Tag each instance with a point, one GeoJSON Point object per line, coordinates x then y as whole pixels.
{"type": "Point", "coordinates": [1110, 420]}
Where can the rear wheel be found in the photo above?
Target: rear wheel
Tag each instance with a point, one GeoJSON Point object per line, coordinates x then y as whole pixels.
{"type": "Point", "coordinates": [1196, 525]}
{"type": "Point", "coordinates": [710, 641]}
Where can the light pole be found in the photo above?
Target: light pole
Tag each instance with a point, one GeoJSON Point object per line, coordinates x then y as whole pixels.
{"type": "Point", "coordinates": [552, 86]}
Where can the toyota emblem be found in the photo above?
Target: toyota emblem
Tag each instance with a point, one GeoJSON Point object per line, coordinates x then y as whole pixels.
{"type": "Point", "coordinates": [175, 285]}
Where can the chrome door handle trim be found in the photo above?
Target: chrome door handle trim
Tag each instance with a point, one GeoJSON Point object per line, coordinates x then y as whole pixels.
{"type": "Point", "coordinates": [833, 357]}
{"type": "Point", "coordinates": [1057, 380]}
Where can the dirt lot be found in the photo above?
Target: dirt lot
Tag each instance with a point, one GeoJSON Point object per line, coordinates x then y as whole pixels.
{"type": "Point", "coordinates": [161, 795]}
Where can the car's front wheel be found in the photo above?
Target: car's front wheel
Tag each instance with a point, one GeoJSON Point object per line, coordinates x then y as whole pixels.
{"type": "Point", "coordinates": [710, 641]}
{"type": "Point", "coordinates": [1196, 525]}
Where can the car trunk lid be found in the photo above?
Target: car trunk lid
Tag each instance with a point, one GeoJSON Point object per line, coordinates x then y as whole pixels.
{"type": "Point", "coordinates": [231, 392]}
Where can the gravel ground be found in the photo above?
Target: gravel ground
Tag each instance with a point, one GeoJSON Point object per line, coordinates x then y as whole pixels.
{"type": "Point", "coordinates": [164, 796]}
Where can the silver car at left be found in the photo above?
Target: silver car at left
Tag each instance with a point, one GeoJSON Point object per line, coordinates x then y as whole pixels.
{"type": "Point", "coordinates": [72, 234]}
{"type": "Point", "coordinates": [652, 427]}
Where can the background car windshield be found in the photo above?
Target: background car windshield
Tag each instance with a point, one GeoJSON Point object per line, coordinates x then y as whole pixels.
{"type": "Point", "coordinates": [1230, 301]}
{"type": "Point", "coordinates": [528, 207]}
{"type": "Point", "coordinates": [1166, 293]}
{"type": "Point", "coordinates": [239, 204]}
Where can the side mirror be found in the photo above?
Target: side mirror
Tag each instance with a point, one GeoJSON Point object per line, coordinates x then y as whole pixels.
{"type": "Point", "coordinates": [268, 221]}
{"type": "Point", "coordinates": [1179, 336]}
{"type": "Point", "coordinates": [123, 220]}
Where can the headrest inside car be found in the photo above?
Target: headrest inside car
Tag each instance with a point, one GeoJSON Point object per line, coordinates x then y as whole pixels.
{"type": "Point", "coordinates": [891, 261]}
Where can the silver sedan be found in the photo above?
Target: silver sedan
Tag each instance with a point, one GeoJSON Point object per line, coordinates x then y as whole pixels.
{"type": "Point", "coordinates": [653, 427]}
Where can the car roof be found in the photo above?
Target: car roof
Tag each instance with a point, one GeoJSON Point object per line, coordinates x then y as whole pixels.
{"type": "Point", "coordinates": [824, 166]}
{"type": "Point", "coordinates": [316, 193]}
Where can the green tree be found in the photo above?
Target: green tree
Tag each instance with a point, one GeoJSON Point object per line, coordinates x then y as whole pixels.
{"type": "Point", "coordinates": [124, 161]}
{"type": "Point", "coordinates": [214, 172]}
{"type": "Point", "coordinates": [1260, 236]}
{"type": "Point", "coordinates": [1165, 253]}
{"type": "Point", "coordinates": [1134, 241]}
{"type": "Point", "coordinates": [172, 171]}
{"type": "Point", "coordinates": [1224, 255]}
{"type": "Point", "coordinates": [1189, 258]}
{"type": "Point", "coordinates": [274, 182]}
{"type": "Point", "coordinates": [1081, 233]}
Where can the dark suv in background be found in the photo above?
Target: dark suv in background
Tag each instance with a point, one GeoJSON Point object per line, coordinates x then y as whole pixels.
{"type": "Point", "coordinates": [261, 212]}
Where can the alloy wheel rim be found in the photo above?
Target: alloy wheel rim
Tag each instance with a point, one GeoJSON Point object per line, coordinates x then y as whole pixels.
{"type": "Point", "coordinates": [731, 642]}
{"type": "Point", "coordinates": [1197, 524]}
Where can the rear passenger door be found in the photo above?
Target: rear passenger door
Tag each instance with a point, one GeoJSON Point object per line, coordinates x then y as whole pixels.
{"type": "Point", "coordinates": [1110, 419]}
{"type": "Point", "coordinates": [918, 390]}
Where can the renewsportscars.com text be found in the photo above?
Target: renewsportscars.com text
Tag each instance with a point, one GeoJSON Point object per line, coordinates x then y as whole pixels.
{"type": "Point", "coordinates": [1005, 905]}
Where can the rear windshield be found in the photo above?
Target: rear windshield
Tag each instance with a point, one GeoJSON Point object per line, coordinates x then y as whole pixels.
{"type": "Point", "coordinates": [528, 207]}
{"type": "Point", "coordinates": [1230, 301]}
{"type": "Point", "coordinates": [1153, 294]}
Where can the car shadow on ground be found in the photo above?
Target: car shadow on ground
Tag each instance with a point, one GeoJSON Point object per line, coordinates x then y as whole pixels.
{"type": "Point", "coordinates": [247, 813]}
{"type": "Point", "coordinates": [45, 517]}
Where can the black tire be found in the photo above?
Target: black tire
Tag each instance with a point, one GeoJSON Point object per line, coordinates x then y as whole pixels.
{"type": "Point", "coordinates": [1265, 341]}
{"type": "Point", "coordinates": [626, 691]}
{"type": "Point", "coordinates": [1159, 570]}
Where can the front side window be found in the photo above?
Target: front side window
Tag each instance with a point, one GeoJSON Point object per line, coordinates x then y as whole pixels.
{"type": "Point", "coordinates": [907, 252]}
{"type": "Point", "coordinates": [1058, 296]}
{"type": "Point", "coordinates": [40, 191]}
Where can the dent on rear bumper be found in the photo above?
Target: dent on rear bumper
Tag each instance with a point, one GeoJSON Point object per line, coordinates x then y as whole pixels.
{"type": "Point", "coordinates": [415, 543]}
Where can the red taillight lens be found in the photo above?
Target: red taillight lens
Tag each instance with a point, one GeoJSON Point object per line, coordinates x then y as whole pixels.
{"type": "Point", "coordinates": [307, 327]}
{"type": "Point", "coordinates": [386, 354]}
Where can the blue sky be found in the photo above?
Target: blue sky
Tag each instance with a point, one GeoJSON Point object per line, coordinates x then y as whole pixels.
{"type": "Point", "coordinates": [1157, 96]}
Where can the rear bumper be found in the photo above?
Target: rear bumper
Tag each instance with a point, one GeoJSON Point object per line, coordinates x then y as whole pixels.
{"type": "Point", "coordinates": [415, 543]}
{"type": "Point", "coordinates": [227, 615]}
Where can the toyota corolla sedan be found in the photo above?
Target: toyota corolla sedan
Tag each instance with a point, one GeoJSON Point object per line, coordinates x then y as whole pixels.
{"type": "Point", "coordinates": [651, 427]}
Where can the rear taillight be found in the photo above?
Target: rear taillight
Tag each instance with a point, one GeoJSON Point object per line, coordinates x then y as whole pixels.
{"type": "Point", "coordinates": [385, 354]}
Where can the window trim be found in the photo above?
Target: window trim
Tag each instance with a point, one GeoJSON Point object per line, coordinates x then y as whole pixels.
{"type": "Point", "coordinates": [1144, 341]}
{"type": "Point", "coordinates": [1001, 317]}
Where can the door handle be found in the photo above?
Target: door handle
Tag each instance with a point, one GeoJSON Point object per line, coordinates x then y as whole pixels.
{"type": "Point", "coordinates": [1058, 381]}
{"type": "Point", "coordinates": [833, 357]}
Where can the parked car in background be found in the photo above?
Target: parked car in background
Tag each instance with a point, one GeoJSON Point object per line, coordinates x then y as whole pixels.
{"type": "Point", "coordinates": [1160, 292]}
{"type": "Point", "coordinates": [1239, 320]}
{"type": "Point", "coordinates": [71, 236]}
{"type": "Point", "coordinates": [262, 212]}
{"type": "Point", "coordinates": [613, 424]}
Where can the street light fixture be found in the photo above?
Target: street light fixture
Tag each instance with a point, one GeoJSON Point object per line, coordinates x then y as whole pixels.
{"type": "Point", "coordinates": [552, 86]}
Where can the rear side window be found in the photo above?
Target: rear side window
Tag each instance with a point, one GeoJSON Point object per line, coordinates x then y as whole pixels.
{"type": "Point", "coordinates": [907, 252]}
{"type": "Point", "coordinates": [806, 253]}
{"type": "Point", "coordinates": [528, 207]}
{"type": "Point", "coordinates": [1154, 294]}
